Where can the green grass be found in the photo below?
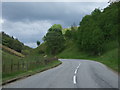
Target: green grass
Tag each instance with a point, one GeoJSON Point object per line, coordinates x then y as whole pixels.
{"type": "Point", "coordinates": [7, 57]}
{"type": "Point", "coordinates": [9, 50]}
{"type": "Point", "coordinates": [33, 57]}
{"type": "Point", "coordinates": [41, 68]}
{"type": "Point", "coordinates": [72, 52]}
{"type": "Point", "coordinates": [109, 57]}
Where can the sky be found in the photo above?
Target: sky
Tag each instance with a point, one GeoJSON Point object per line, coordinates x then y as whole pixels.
{"type": "Point", "coordinates": [29, 21]}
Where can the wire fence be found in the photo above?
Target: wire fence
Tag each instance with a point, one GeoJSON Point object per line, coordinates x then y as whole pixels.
{"type": "Point", "coordinates": [11, 67]}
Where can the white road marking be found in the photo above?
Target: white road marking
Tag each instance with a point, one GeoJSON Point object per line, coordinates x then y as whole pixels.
{"type": "Point", "coordinates": [74, 79]}
{"type": "Point", "coordinates": [78, 66]}
{"type": "Point", "coordinates": [76, 71]}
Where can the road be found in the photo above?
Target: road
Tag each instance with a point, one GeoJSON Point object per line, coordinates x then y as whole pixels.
{"type": "Point", "coordinates": [72, 73]}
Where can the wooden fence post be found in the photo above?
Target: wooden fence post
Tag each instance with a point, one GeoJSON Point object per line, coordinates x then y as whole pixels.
{"type": "Point", "coordinates": [11, 65]}
{"type": "Point", "coordinates": [26, 65]}
{"type": "Point", "coordinates": [3, 68]}
{"type": "Point", "coordinates": [18, 65]}
{"type": "Point", "coordinates": [23, 65]}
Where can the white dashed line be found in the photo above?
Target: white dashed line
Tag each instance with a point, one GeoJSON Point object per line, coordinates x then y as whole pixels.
{"type": "Point", "coordinates": [76, 71]}
{"type": "Point", "coordinates": [78, 66]}
{"type": "Point", "coordinates": [74, 77]}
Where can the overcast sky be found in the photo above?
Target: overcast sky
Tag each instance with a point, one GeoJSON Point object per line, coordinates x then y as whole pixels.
{"type": "Point", "coordinates": [30, 21]}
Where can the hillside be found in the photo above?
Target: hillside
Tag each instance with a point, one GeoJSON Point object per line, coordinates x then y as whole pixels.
{"type": "Point", "coordinates": [14, 43]}
{"type": "Point", "coordinates": [9, 50]}
{"type": "Point", "coordinates": [96, 38]}
{"type": "Point", "coordinates": [19, 62]}
{"type": "Point", "coordinates": [109, 58]}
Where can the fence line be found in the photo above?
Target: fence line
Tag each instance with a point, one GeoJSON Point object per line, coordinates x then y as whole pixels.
{"type": "Point", "coordinates": [12, 67]}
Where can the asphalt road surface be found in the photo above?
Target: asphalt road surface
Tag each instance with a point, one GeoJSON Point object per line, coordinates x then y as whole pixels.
{"type": "Point", "coordinates": [71, 73]}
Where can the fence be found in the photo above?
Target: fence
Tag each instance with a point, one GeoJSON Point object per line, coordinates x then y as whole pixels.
{"type": "Point", "coordinates": [8, 68]}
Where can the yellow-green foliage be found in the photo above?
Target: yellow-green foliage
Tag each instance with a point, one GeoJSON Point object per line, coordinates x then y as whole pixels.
{"type": "Point", "coordinates": [65, 29]}
{"type": "Point", "coordinates": [11, 51]}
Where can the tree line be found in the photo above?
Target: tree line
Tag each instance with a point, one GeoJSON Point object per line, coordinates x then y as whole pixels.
{"type": "Point", "coordinates": [95, 30]}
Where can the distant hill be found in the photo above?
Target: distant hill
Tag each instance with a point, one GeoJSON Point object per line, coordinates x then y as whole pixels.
{"type": "Point", "coordinates": [14, 44]}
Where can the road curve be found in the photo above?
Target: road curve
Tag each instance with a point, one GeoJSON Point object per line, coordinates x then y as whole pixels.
{"type": "Point", "coordinates": [72, 73]}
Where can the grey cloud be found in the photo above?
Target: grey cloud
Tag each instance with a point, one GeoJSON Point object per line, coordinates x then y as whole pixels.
{"type": "Point", "coordinates": [30, 21]}
{"type": "Point", "coordinates": [27, 32]}
{"type": "Point", "coordinates": [67, 12]}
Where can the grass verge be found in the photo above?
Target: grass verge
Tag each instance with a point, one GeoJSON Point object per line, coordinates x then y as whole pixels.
{"type": "Point", "coordinates": [19, 75]}
{"type": "Point", "coordinates": [109, 58]}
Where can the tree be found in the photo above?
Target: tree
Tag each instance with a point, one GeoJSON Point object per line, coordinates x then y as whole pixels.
{"type": "Point", "coordinates": [74, 31]}
{"type": "Point", "coordinates": [90, 37]}
{"type": "Point", "coordinates": [97, 29]}
{"type": "Point", "coordinates": [38, 43]}
{"type": "Point", "coordinates": [68, 34]}
{"type": "Point", "coordinates": [54, 39]}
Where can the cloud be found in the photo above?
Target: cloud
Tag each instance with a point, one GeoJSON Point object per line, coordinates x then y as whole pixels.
{"type": "Point", "coordinates": [31, 44]}
{"type": "Point", "coordinates": [55, 0]}
{"type": "Point", "coordinates": [29, 21]}
{"type": "Point", "coordinates": [68, 12]}
{"type": "Point", "coordinates": [27, 31]}
{"type": "Point", "coordinates": [1, 22]}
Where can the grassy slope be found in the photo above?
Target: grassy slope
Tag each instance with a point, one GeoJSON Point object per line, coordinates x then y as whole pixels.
{"type": "Point", "coordinates": [109, 58]}
{"type": "Point", "coordinates": [72, 52]}
{"type": "Point", "coordinates": [34, 55]}
{"type": "Point", "coordinates": [7, 57]}
{"type": "Point", "coordinates": [11, 51]}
